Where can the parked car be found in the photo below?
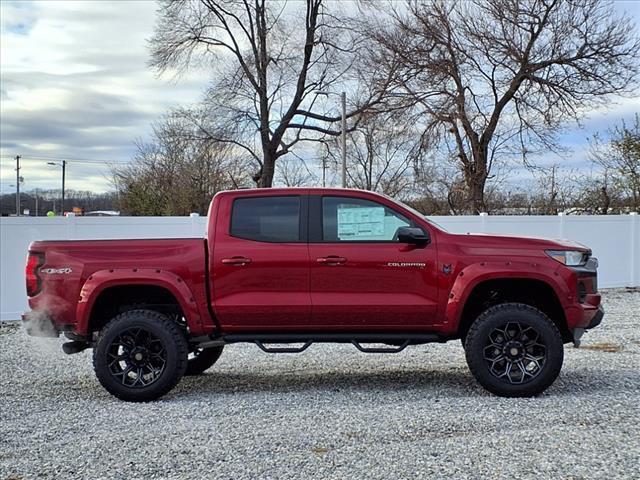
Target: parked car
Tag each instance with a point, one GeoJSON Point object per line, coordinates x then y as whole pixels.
{"type": "Point", "coordinates": [285, 268]}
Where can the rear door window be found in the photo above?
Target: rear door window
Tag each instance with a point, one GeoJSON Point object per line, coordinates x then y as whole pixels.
{"type": "Point", "coordinates": [266, 219]}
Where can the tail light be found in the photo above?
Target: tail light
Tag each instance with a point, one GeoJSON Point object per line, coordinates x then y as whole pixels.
{"type": "Point", "coordinates": [32, 273]}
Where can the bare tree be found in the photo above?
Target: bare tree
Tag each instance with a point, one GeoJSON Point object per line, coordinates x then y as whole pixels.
{"type": "Point", "coordinates": [177, 171]}
{"type": "Point", "coordinates": [618, 159]}
{"type": "Point", "coordinates": [597, 193]}
{"type": "Point", "coordinates": [496, 77]}
{"type": "Point", "coordinates": [553, 190]}
{"type": "Point", "coordinates": [382, 152]}
{"type": "Point", "coordinates": [270, 61]}
{"type": "Point", "coordinates": [49, 200]}
{"type": "Point", "coordinates": [293, 172]}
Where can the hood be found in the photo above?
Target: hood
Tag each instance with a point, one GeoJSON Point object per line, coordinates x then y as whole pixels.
{"type": "Point", "coordinates": [557, 243]}
{"type": "Point", "coordinates": [483, 243]}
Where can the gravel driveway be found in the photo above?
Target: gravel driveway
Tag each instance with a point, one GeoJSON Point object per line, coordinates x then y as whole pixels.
{"type": "Point", "coordinates": [330, 412]}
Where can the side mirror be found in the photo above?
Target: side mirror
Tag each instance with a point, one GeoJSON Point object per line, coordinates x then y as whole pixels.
{"type": "Point", "coordinates": [413, 235]}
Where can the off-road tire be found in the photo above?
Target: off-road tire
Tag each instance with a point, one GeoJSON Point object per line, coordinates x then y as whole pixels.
{"type": "Point", "coordinates": [492, 320]}
{"type": "Point", "coordinates": [164, 332]}
{"type": "Point", "coordinates": [203, 359]}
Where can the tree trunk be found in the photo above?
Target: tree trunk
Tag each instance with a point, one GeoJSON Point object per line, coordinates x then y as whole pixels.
{"type": "Point", "coordinates": [606, 201]}
{"type": "Point", "coordinates": [475, 174]}
{"type": "Point", "coordinates": [476, 179]}
{"type": "Point", "coordinates": [476, 185]}
{"type": "Point", "coordinates": [265, 178]}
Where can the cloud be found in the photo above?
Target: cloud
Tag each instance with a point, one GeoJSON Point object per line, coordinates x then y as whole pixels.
{"type": "Point", "coordinates": [75, 84]}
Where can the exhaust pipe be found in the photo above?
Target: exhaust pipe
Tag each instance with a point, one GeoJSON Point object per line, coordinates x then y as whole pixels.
{"type": "Point", "coordinates": [74, 347]}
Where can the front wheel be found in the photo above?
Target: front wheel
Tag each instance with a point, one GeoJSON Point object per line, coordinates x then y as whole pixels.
{"type": "Point", "coordinates": [140, 355]}
{"type": "Point", "coordinates": [514, 350]}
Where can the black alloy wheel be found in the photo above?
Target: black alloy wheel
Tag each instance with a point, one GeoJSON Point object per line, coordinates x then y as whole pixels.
{"type": "Point", "coordinates": [140, 355]}
{"type": "Point", "coordinates": [514, 353]}
{"type": "Point", "coordinates": [514, 350]}
{"type": "Point", "coordinates": [136, 358]}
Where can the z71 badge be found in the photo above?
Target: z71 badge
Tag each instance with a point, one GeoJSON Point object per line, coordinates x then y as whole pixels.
{"type": "Point", "coordinates": [56, 271]}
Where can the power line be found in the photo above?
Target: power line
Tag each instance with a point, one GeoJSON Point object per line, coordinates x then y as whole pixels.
{"type": "Point", "coordinates": [69, 159]}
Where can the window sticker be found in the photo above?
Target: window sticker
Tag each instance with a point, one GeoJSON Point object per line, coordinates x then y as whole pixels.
{"type": "Point", "coordinates": [360, 223]}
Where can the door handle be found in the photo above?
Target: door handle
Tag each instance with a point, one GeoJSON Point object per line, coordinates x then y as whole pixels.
{"type": "Point", "coordinates": [238, 261]}
{"type": "Point", "coordinates": [332, 260]}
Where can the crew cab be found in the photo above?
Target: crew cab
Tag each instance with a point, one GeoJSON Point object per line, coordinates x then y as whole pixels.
{"type": "Point", "coordinates": [286, 268]}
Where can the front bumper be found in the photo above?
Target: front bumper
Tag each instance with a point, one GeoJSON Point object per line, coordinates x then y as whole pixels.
{"type": "Point", "coordinates": [596, 319]}
{"type": "Point", "coordinates": [39, 324]}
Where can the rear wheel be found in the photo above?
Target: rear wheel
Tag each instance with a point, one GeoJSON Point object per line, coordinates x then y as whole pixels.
{"type": "Point", "coordinates": [140, 355]}
{"type": "Point", "coordinates": [200, 359]}
{"type": "Point", "coordinates": [514, 350]}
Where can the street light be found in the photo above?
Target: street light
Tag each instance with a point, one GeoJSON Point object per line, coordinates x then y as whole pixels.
{"type": "Point", "coordinates": [18, 180]}
{"type": "Point", "coordinates": [343, 135]}
{"type": "Point", "coordinates": [63, 165]}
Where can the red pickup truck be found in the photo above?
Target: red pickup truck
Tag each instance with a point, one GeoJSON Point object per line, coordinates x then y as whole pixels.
{"type": "Point", "coordinates": [285, 268]}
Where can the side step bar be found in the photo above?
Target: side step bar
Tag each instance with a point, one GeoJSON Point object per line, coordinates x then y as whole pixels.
{"type": "Point", "coordinates": [264, 348]}
{"type": "Point", "coordinates": [396, 341]}
{"type": "Point", "coordinates": [381, 349]}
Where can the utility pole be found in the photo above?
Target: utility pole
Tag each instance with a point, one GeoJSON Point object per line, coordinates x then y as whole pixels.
{"type": "Point", "coordinates": [17, 185]}
{"type": "Point", "coordinates": [36, 202]}
{"type": "Point", "coordinates": [64, 165]}
{"type": "Point", "coordinates": [324, 172]}
{"type": "Point", "coordinates": [344, 139]}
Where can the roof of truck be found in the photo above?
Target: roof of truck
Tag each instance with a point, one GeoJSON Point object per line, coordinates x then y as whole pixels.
{"type": "Point", "coordinates": [280, 190]}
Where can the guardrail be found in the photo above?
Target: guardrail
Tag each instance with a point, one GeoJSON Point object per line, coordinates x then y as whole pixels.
{"type": "Point", "coordinates": [614, 239]}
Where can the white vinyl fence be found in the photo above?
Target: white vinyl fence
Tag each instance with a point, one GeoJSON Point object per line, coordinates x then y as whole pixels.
{"type": "Point", "coordinates": [614, 239]}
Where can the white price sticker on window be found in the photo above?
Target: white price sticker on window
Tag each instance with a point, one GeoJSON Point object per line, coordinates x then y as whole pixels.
{"type": "Point", "coordinates": [360, 223]}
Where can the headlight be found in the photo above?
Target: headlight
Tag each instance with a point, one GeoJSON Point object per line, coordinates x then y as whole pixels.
{"type": "Point", "coordinates": [571, 258]}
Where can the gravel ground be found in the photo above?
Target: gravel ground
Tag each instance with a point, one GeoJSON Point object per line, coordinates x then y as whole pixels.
{"type": "Point", "coordinates": [330, 412]}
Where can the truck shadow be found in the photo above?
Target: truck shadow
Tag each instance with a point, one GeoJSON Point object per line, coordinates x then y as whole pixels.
{"type": "Point", "coordinates": [454, 381]}
{"type": "Point", "coordinates": [458, 380]}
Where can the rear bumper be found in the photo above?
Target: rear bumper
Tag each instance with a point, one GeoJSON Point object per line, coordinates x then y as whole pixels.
{"type": "Point", "coordinates": [39, 324]}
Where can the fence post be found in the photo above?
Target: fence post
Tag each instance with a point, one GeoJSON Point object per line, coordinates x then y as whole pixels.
{"type": "Point", "coordinates": [71, 226]}
{"type": "Point", "coordinates": [194, 224]}
{"type": "Point", "coordinates": [634, 281]}
{"type": "Point", "coordinates": [561, 225]}
{"type": "Point", "coordinates": [483, 221]}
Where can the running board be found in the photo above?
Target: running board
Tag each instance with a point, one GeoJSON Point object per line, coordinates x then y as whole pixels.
{"type": "Point", "coordinates": [381, 349]}
{"type": "Point", "coordinates": [396, 341]}
{"type": "Point", "coordinates": [264, 348]}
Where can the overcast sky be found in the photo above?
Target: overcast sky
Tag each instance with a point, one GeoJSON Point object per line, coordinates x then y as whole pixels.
{"type": "Point", "coordinates": [75, 85]}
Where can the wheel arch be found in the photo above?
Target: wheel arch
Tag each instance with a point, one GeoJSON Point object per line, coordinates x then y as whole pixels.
{"type": "Point", "coordinates": [109, 292]}
{"type": "Point", "coordinates": [484, 292]}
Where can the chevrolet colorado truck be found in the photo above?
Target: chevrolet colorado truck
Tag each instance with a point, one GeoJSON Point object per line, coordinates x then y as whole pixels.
{"type": "Point", "coordinates": [285, 268]}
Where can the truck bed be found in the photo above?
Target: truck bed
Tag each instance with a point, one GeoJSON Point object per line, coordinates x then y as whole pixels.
{"type": "Point", "coordinates": [69, 267]}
